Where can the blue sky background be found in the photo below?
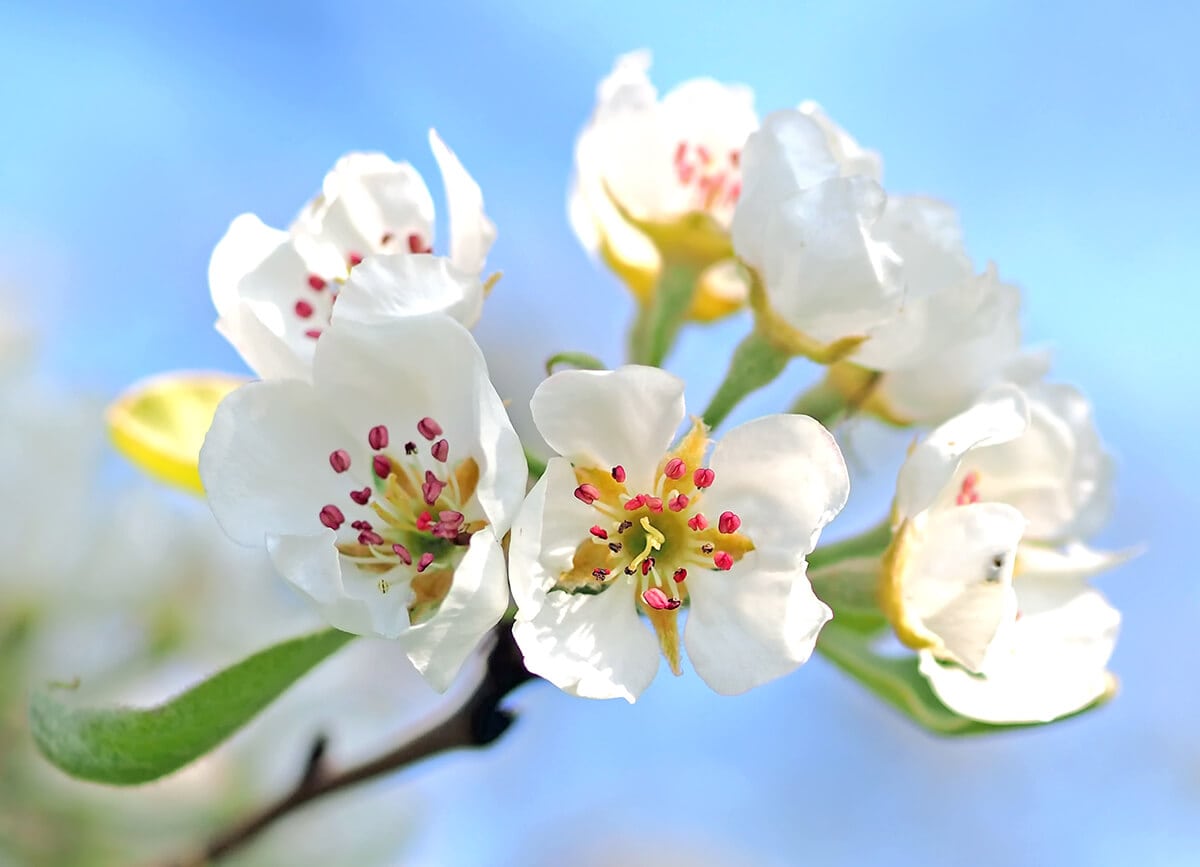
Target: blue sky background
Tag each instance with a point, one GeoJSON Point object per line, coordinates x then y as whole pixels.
{"type": "Point", "coordinates": [134, 132]}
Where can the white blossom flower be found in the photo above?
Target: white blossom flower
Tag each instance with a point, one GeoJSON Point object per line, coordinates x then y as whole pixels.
{"type": "Point", "coordinates": [986, 576]}
{"type": "Point", "coordinates": [363, 237]}
{"type": "Point", "coordinates": [809, 229]}
{"type": "Point", "coordinates": [381, 488]}
{"type": "Point", "coordinates": [957, 335]}
{"type": "Point", "coordinates": [853, 158]}
{"type": "Point", "coordinates": [623, 523]}
{"type": "Point", "coordinates": [661, 160]}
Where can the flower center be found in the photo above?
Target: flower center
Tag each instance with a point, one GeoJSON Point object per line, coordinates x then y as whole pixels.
{"type": "Point", "coordinates": [716, 180]}
{"type": "Point", "coordinates": [408, 526]}
{"type": "Point", "coordinates": [654, 542]}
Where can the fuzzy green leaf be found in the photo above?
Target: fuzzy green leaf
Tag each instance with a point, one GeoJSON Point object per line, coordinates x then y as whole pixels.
{"type": "Point", "coordinates": [127, 746]}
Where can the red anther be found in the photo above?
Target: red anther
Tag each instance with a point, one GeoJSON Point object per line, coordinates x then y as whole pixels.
{"type": "Point", "coordinates": [735, 158]}
{"type": "Point", "coordinates": [303, 309]}
{"type": "Point", "coordinates": [647, 565]}
{"type": "Point", "coordinates": [463, 538]}
{"type": "Point", "coordinates": [449, 516]}
{"type": "Point", "coordinates": [680, 152]}
{"type": "Point", "coordinates": [654, 504]}
{"type": "Point", "coordinates": [728, 522]}
{"type": "Point", "coordinates": [441, 451]}
{"type": "Point", "coordinates": [425, 562]}
{"type": "Point", "coordinates": [416, 244]}
{"type": "Point", "coordinates": [429, 428]}
{"type": "Point", "coordinates": [313, 333]}
{"type": "Point", "coordinates": [382, 466]}
{"type": "Point", "coordinates": [361, 525]}
{"type": "Point", "coordinates": [656, 599]}
{"type": "Point", "coordinates": [587, 494]}
{"type": "Point", "coordinates": [735, 192]}
{"type": "Point", "coordinates": [410, 448]}
{"type": "Point", "coordinates": [685, 173]}
{"type": "Point", "coordinates": [703, 477]}
{"type": "Point", "coordinates": [332, 517]}
{"type": "Point", "coordinates": [424, 521]}
{"type": "Point", "coordinates": [403, 553]}
{"type": "Point", "coordinates": [361, 497]}
{"type": "Point", "coordinates": [698, 522]}
{"type": "Point", "coordinates": [615, 547]}
{"type": "Point", "coordinates": [723, 561]}
{"type": "Point", "coordinates": [378, 437]}
{"type": "Point", "coordinates": [369, 537]}
{"type": "Point", "coordinates": [680, 575]}
{"type": "Point", "coordinates": [635, 503]}
{"type": "Point", "coordinates": [672, 604]}
{"type": "Point", "coordinates": [706, 548]}
{"type": "Point", "coordinates": [677, 503]}
{"type": "Point", "coordinates": [618, 473]}
{"type": "Point", "coordinates": [316, 282]}
{"type": "Point", "coordinates": [599, 532]}
{"type": "Point", "coordinates": [339, 460]}
{"type": "Point", "coordinates": [675, 469]}
{"type": "Point", "coordinates": [967, 493]}
{"type": "Point", "coordinates": [432, 488]}
{"type": "Point", "coordinates": [354, 258]}
{"type": "Point", "coordinates": [600, 573]}
{"type": "Point", "coordinates": [703, 153]}
{"type": "Point", "coordinates": [623, 526]}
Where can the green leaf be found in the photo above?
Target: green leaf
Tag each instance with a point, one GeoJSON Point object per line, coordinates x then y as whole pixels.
{"type": "Point", "coordinates": [869, 543]}
{"type": "Point", "coordinates": [127, 746]}
{"type": "Point", "coordinates": [897, 681]}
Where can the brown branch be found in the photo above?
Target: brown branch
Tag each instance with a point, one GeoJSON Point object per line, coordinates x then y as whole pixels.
{"type": "Point", "coordinates": [477, 722]}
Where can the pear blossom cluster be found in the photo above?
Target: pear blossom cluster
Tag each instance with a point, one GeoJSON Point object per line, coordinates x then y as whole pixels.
{"type": "Point", "coordinates": [375, 462]}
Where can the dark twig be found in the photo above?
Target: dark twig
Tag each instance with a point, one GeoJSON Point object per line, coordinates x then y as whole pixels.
{"type": "Point", "coordinates": [477, 722]}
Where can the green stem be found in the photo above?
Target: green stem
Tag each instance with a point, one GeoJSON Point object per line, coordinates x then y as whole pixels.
{"type": "Point", "coordinates": [658, 323]}
{"type": "Point", "coordinates": [869, 543]}
{"type": "Point", "coordinates": [756, 362]}
{"type": "Point", "coordinates": [823, 402]}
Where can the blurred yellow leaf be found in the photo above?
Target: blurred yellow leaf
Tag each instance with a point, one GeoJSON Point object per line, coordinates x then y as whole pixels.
{"type": "Point", "coordinates": [159, 423]}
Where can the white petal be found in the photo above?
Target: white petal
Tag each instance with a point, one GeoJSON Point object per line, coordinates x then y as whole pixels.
{"type": "Point", "coordinates": [1073, 561]}
{"type": "Point", "coordinates": [590, 646]}
{"type": "Point", "coordinates": [601, 418]}
{"type": "Point", "coordinates": [477, 600]}
{"type": "Point", "coordinates": [349, 600]}
{"type": "Point", "coordinates": [976, 351]}
{"type": "Point", "coordinates": [750, 625]}
{"type": "Point", "coordinates": [784, 476]}
{"type": "Point", "coordinates": [401, 284]}
{"type": "Point", "coordinates": [853, 158]}
{"type": "Point", "coordinates": [260, 273]}
{"type": "Point", "coordinates": [398, 372]}
{"type": "Point", "coordinates": [824, 271]}
{"type": "Point", "coordinates": [268, 354]}
{"type": "Point", "coordinates": [471, 232]}
{"type": "Point", "coordinates": [366, 197]}
{"type": "Point", "coordinates": [265, 461]}
{"type": "Point", "coordinates": [544, 539]}
{"type": "Point", "coordinates": [790, 153]}
{"type": "Point", "coordinates": [927, 235]}
{"type": "Point", "coordinates": [1000, 416]}
{"type": "Point", "coordinates": [1053, 661]}
{"type": "Point", "coordinates": [957, 577]}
